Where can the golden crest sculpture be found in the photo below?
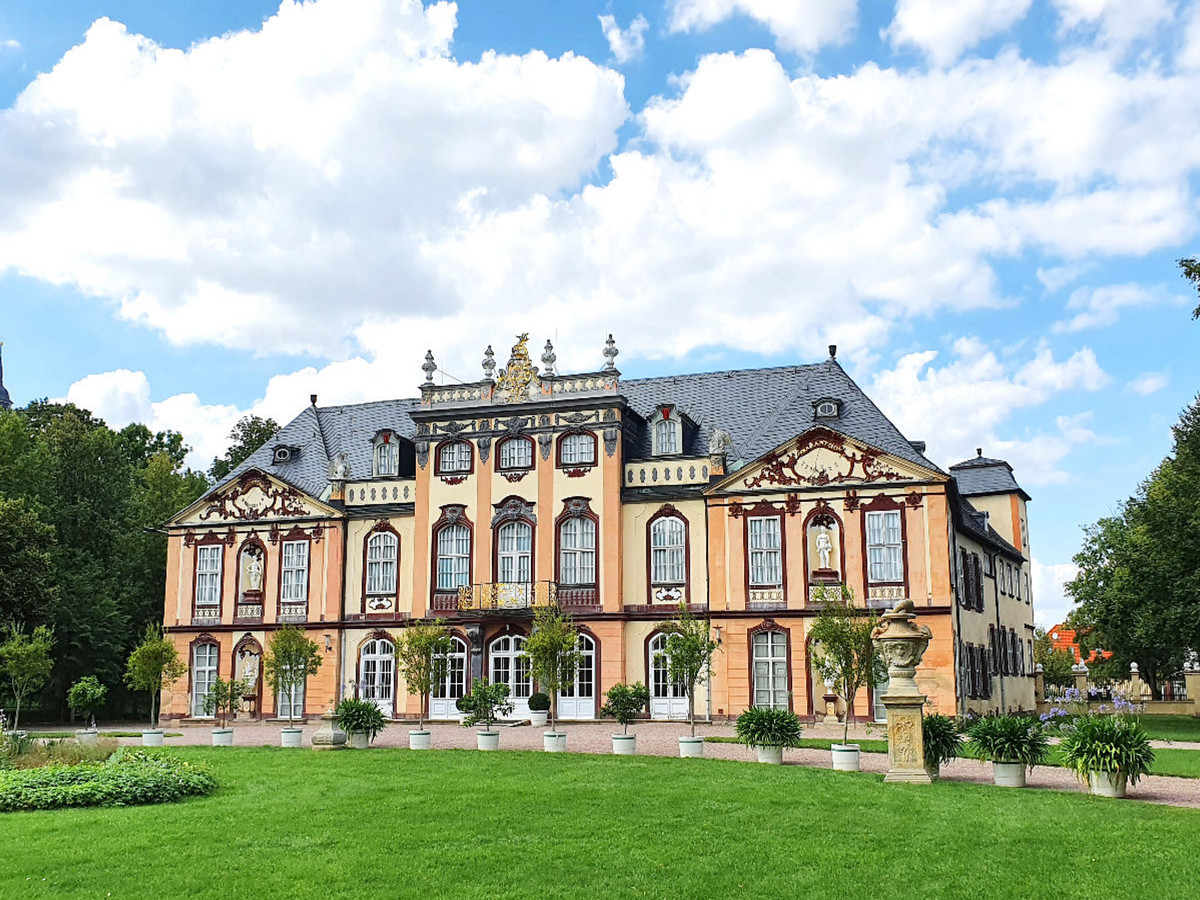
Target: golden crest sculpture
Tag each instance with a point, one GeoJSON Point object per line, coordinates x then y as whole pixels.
{"type": "Point", "coordinates": [518, 378]}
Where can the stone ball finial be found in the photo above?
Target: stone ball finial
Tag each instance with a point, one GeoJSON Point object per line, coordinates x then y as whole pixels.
{"type": "Point", "coordinates": [548, 358]}
{"type": "Point", "coordinates": [610, 353]}
{"type": "Point", "coordinates": [1133, 668]}
{"type": "Point", "coordinates": [429, 367]}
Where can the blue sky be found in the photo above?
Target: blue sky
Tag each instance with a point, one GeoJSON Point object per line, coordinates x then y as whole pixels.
{"type": "Point", "coordinates": [212, 208]}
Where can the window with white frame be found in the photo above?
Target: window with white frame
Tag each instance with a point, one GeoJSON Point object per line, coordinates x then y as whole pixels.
{"type": "Point", "coordinates": [668, 546]}
{"type": "Point", "coordinates": [885, 551]}
{"type": "Point", "coordinates": [454, 557]}
{"type": "Point", "coordinates": [666, 435]}
{"type": "Point", "coordinates": [289, 704]}
{"type": "Point", "coordinates": [208, 574]}
{"type": "Point", "coordinates": [382, 550]}
{"type": "Point", "coordinates": [387, 458]}
{"type": "Point", "coordinates": [454, 457]}
{"type": "Point", "coordinates": [769, 650]}
{"type": "Point", "coordinates": [204, 673]}
{"type": "Point", "coordinates": [514, 552]}
{"type": "Point", "coordinates": [294, 580]}
{"type": "Point", "coordinates": [577, 551]}
{"type": "Point", "coordinates": [516, 453]}
{"type": "Point", "coordinates": [578, 450]}
{"type": "Point", "coordinates": [766, 555]}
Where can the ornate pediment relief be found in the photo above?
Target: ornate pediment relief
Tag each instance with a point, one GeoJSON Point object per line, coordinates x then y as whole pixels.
{"type": "Point", "coordinates": [252, 497]}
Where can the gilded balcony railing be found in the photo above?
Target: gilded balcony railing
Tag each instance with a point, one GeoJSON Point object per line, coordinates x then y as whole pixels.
{"type": "Point", "coordinates": [507, 595]}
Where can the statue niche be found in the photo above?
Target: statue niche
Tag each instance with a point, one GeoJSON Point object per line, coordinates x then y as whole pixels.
{"type": "Point", "coordinates": [824, 539]}
{"type": "Point", "coordinates": [251, 569]}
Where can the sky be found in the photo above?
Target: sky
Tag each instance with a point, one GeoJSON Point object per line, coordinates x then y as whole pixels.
{"type": "Point", "coordinates": [212, 208]}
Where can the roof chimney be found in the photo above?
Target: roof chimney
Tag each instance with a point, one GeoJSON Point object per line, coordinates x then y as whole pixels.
{"type": "Point", "coordinates": [833, 351]}
{"type": "Point", "coordinates": [312, 398]}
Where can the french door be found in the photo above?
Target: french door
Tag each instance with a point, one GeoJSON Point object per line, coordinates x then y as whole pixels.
{"type": "Point", "coordinates": [668, 696]}
{"type": "Point", "coordinates": [204, 673]}
{"type": "Point", "coordinates": [578, 700]}
{"type": "Point", "coordinates": [509, 666]}
{"type": "Point", "coordinates": [377, 675]}
{"type": "Point", "coordinates": [453, 684]}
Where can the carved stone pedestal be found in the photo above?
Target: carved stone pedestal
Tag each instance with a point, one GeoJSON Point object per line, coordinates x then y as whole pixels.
{"type": "Point", "coordinates": [831, 717]}
{"type": "Point", "coordinates": [329, 736]}
{"type": "Point", "coordinates": [906, 741]}
{"type": "Point", "coordinates": [901, 644]}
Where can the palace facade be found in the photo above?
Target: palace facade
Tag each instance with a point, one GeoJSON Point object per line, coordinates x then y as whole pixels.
{"type": "Point", "coordinates": [749, 495]}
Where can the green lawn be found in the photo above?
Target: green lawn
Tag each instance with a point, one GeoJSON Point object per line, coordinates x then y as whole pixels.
{"type": "Point", "coordinates": [392, 823]}
{"type": "Point", "coordinates": [1172, 728]}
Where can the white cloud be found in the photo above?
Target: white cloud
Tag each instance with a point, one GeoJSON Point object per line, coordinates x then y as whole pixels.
{"type": "Point", "coordinates": [1101, 306]}
{"type": "Point", "coordinates": [1149, 383]}
{"type": "Point", "coordinates": [803, 26]}
{"type": "Point", "coordinates": [1050, 602]}
{"type": "Point", "coordinates": [944, 29]}
{"type": "Point", "coordinates": [626, 45]}
{"type": "Point", "coordinates": [9, 45]}
{"type": "Point", "coordinates": [1115, 23]}
{"type": "Point", "coordinates": [1055, 278]}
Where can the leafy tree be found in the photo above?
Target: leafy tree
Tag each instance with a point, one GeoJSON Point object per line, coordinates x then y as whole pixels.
{"type": "Point", "coordinates": [625, 703]}
{"type": "Point", "coordinates": [421, 652]}
{"type": "Point", "coordinates": [486, 702]}
{"type": "Point", "coordinates": [153, 665]}
{"type": "Point", "coordinates": [844, 651]}
{"type": "Point", "coordinates": [85, 697]}
{"type": "Point", "coordinates": [140, 444]}
{"type": "Point", "coordinates": [250, 433]}
{"type": "Point", "coordinates": [27, 589]}
{"type": "Point", "coordinates": [689, 651]}
{"type": "Point", "coordinates": [553, 653]}
{"type": "Point", "coordinates": [290, 659]}
{"type": "Point", "coordinates": [1056, 664]}
{"type": "Point", "coordinates": [1191, 271]}
{"type": "Point", "coordinates": [224, 698]}
{"type": "Point", "coordinates": [25, 660]}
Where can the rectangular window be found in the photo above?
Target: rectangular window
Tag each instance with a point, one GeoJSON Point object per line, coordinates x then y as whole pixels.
{"type": "Point", "coordinates": [667, 552]}
{"type": "Point", "coordinates": [386, 459]}
{"type": "Point", "coordinates": [454, 558]}
{"type": "Point", "coordinates": [766, 556]}
{"type": "Point", "coordinates": [978, 581]}
{"type": "Point", "coordinates": [770, 669]}
{"type": "Point", "coordinates": [577, 560]}
{"type": "Point", "coordinates": [578, 450]}
{"type": "Point", "coordinates": [516, 453]}
{"type": "Point", "coordinates": [885, 552]}
{"type": "Point", "coordinates": [455, 457]}
{"type": "Point", "coordinates": [665, 437]}
{"type": "Point", "coordinates": [295, 572]}
{"type": "Point", "coordinates": [208, 574]}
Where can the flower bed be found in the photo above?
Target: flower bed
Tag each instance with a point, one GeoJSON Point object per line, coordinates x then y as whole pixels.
{"type": "Point", "coordinates": [132, 776]}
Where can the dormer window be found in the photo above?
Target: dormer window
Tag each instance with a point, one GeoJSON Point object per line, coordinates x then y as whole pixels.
{"type": "Point", "coordinates": [454, 457]}
{"type": "Point", "coordinates": [387, 458]}
{"type": "Point", "coordinates": [827, 408]}
{"type": "Point", "coordinates": [666, 432]}
{"type": "Point", "coordinates": [284, 453]}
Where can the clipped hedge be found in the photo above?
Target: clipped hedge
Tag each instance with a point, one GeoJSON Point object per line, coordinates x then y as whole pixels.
{"type": "Point", "coordinates": [132, 776]}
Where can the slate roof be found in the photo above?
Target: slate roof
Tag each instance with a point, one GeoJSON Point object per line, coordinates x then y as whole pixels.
{"type": "Point", "coordinates": [983, 475]}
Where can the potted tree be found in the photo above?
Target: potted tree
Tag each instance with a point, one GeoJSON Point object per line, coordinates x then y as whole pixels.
{"type": "Point", "coordinates": [1107, 752]}
{"type": "Point", "coordinates": [421, 652]}
{"type": "Point", "coordinates": [85, 697]}
{"type": "Point", "coordinates": [539, 709]}
{"type": "Point", "coordinates": [487, 702]}
{"type": "Point", "coordinates": [844, 653]}
{"type": "Point", "coordinates": [769, 730]}
{"type": "Point", "coordinates": [625, 702]}
{"type": "Point", "coordinates": [222, 702]}
{"type": "Point", "coordinates": [943, 742]}
{"type": "Point", "coordinates": [290, 659]}
{"type": "Point", "coordinates": [362, 720]}
{"type": "Point", "coordinates": [1012, 743]}
{"type": "Point", "coordinates": [153, 664]}
{"type": "Point", "coordinates": [25, 659]}
{"type": "Point", "coordinates": [689, 650]}
{"type": "Point", "coordinates": [553, 653]}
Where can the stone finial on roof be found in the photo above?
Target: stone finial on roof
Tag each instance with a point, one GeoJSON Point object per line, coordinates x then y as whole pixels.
{"type": "Point", "coordinates": [979, 452]}
{"type": "Point", "coordinates": [489, 364]}
{"type": "Point", "coordinates": [610, 353]}
{"type": "Point", "coordinates": [548, 358]}
{"type": "Point", "coordinates": [833, 351]}
{"type": "Point", "coordinates": [429, 367]}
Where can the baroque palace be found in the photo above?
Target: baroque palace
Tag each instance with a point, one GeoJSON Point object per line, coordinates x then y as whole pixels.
{"type": "Point", "coordinates": [749, 495]}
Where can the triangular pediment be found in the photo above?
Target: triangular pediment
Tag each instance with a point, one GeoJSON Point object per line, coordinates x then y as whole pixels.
{"type": "Point", "coordinates": [253, 496]}
{"type": "Point", "coordinates": [822, 457]}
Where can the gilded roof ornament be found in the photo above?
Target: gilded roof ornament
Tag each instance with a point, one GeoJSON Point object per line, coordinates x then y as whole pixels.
{"type": "Point", "coordinates": [519, 376]}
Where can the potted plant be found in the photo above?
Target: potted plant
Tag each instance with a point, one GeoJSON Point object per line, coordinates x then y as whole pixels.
{"type": "Point", "coordinates": [1108, 752]}
{"type": "Point", "coordinates": [222, 702]}
{"type": "Point", "coordinates": [1012, 743]}
{"type": "Point", "coordinates": [539, 709]}
{"type": "Point", "coordinates": [487, 703]}
{"type": "Point", "coordinates": [553, 653]}
{"type": "Point", "coordinates": [153, 664]}
{"type": "Point", "coordinates": [943, 742]}
{"type": "Point", "coordinates": [362, 720]}
{"type": "Point", "coordinates": [768, 730]}
{"type": "Point", "coordinates": [844, 653]}
{"type": "Point", "coordinates": [290, 659]}
{"type": "Point", "coordinates": [421, 652]}
{"type": "Point", "coordinates": [25, 659]}
{"type": "Point", "coordinates": [85, 697]}
{"type": "Point", "coordinates": [625, 703]}
{"type": "Point", "coordinates": [689, 650]}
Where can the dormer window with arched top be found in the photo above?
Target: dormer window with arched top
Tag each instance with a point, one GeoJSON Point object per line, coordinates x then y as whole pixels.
{"type": "Point", "coordinates": [387, 457]}
{"type": "Point", "coordinates": [827, 408]}
{"type": "Point", "coordinates": [666, 432]}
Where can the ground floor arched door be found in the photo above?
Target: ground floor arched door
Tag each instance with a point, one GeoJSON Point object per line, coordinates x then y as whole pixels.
{"type": "Point", "coordinates": [668, 696]}
{"type": "Point", "coordinates": [578, 700]}
{"type": "Point", "coordinates": [204, 673]}
{"type": "Point", "coordinates": [377, 674]}
{"type": "Point", "coordinates": [509, 665]}
{"type": "Point", "coordinates": [443, 702]}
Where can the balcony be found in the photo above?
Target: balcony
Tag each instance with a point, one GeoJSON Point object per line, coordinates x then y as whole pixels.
{"type": "Point", "coordinates": [507, 596]}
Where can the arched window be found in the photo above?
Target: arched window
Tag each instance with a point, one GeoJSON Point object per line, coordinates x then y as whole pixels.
{"type": "Point", "coordinates": [515, 454]}
{"type": "Point", "coordinates": [665, 433]}
{"type": "Point", "coordinates": [769, 660]}
{"type": "Point", "coordinates": [453, 557]}
{"type": "Point", "coordinates": [382, 551]}
{"type": "Point", "coordinates": [387, 458]}
{"type": "Point", "coordinates": [377, 668]}
{"type": "Point", "coordinates": [510, 665]}
{"type": "Point", "coordinates": [577, 449]}
{"type": "Point", "coordinates": [204, 673]}
{"type": "Point", "coordinates": [668, 696]}
{"type": "Point", "coordinates": [514, 552]}
{"type": "Point", "coordinates": [577, 551]}
{"type": "Point", "coordinates": [453, 684]}
{"type": "Point", "coordinates": [668, 549]}
{"type": "Point", "coordinates": [453, 458]}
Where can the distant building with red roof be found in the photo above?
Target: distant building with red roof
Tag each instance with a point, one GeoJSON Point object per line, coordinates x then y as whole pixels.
{"type": "Point", "coordinates": [1063, 638]}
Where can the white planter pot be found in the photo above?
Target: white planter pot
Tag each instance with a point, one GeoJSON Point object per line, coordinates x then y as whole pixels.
{"type": "Point", "coordinates": [1107, 784]}
{"type": "Point", "coordinates": [846, 758]}
{"type": "Point", "coordinates": [487, 740]}
{"type": "Point", "coordinates": [87, 736]}
{"type": "Point", "coordinates": [290, 737]}
{"type": "Point", "coordinates": [359, 740]}
{"type": "Point", "coordinates": [420, 740]}
{"type": "Point", "coordinates": [554, 741]}
{"type": "Point", "coordinates": [222, 737]}
{"type": "Point", "coordinates": [691, 747]}
{"type": "Point", "coordinates": [152, 737]}
{"type": "Point", "coordinates": [625, 744]}
{"type": "Point", "coordinates": [770, 755]}
{"type": "Point", "coordinates": [1008, 774]}
{"type": "Point", "coordinates": [538, 719]}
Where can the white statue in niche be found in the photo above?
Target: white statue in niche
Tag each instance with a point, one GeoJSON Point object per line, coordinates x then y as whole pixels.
{"type": "Point", "coordinates": [824, 546]}
{"type": "Point", "coordinates": [254, 569]}
{"type": "Point", "coordinates": [249, 670]}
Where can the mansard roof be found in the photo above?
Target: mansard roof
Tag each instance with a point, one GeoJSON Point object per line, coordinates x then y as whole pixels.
{"type": "Point", "coordinates": [975, 524]}
{"type": "Point", "coordinates": [983, 475]}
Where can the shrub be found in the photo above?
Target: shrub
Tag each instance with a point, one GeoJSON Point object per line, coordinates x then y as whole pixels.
{"type": "Point", "coordinates": [463, 703]}
{"type": "Point", "coordinates": [625, 703]}
{"type": "Point", "coordinates": [224, 698]}
{"type": "Point", "coordinates": [85, 697]}
{"type": "Point", "coordinates": [764, 727]}
{"type": "Point", "coordinates": [62, 753]}
{"type": "Point", "coordinates": [943, 742]}
{"type": "Point", "coordinates": [539, 702]}
{"type": "Point", "coordinates": [487, 703]}
{"type": "Point", "coordinates": [1104, 743]}
{"type": "Point", "coordinates": [360, 715]}
{"type": "Point", "coordinates": [132, 776]}
{"type": "Point", "coordinates": [1009, 738]}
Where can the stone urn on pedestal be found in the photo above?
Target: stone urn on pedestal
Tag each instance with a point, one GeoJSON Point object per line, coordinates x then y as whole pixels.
{"type": "Point", "coordinates": [901, 644]}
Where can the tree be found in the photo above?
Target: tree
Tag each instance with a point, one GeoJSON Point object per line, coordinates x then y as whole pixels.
{"type": "Point", "coordinates": [25, 660]}
{"type": "Point", "coordinates": [421, 652]}
{"type": "Point", "coordinates": [486, 702]}
{"type": "Point", "coordinates": [1056, 664]}
{"type": "Point", "coordinates": [844, 651]}
{"type": "Point", "coordinates": [153, 665]}
{"type": "Point", "coordinates": [553, 653]}
{"type": "Point", "coordinates": [85, 697]}
{"type": "Point", "coordinates": [689, 653]}
{"type": "Point", "coordinates": [625, 703]}
{"type": "Point", "coordinates": [290, 659]}
{"type": "Point", "coordinates": [224, 698]}
{"type": "Point", "coordinates": [1191, 271]}
{"type": "Point", "coordinates": [250, 433]}
{"type": "Point", "coordinates": [27, 586]}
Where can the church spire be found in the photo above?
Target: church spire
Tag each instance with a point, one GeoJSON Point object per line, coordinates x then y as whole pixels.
{"type": "Point", "coordinates": [5, 399]}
